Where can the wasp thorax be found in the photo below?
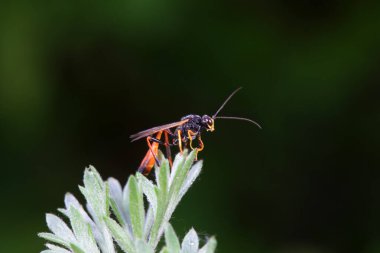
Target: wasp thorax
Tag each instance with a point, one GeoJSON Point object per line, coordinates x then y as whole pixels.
{"type": "Point", "coordinates": [208, 123]}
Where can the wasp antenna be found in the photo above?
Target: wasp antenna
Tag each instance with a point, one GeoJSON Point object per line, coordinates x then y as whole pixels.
{"type": "Point", "coordinates": [238, 118]}
{"type": "Point", "coordinates": [225, 102]}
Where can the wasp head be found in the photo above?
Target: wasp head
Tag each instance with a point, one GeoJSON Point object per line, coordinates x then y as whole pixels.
{"type": "Point", "coordinates": [208, 123]}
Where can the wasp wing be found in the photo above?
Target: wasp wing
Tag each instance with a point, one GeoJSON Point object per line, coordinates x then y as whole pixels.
{"type": "Point", "coordinates": [156, 129]}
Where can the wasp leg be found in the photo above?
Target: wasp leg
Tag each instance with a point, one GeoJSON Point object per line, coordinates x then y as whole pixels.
{"type": "Point", "coordinates": [200, 148]}
{"type": "Point", "coordinates": [190, 139]}
{"type": "Point", "coordinates": [190, 135]}
{"type": "Point", "coordinates": [180, 140]}
{"type": "Point", "coordinates": [150, 157]}
{"type": "Point", "coordinates": [152, 139]}
{"type": "Point", "coordinates": [148, 139]}
{"type": "Point", "coordinates": [201, 145]}
{"type": "Point", "coordinates": [167, 147]}
{"type": "Point", "coordinates": [170, 133]}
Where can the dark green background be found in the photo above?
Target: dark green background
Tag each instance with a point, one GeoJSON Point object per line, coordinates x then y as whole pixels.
{"type": "Point", "coordinates": [78, 77]}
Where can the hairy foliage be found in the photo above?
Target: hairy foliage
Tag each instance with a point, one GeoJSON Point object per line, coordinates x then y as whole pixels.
{"type": "Point", "coordinates": [132, 219]}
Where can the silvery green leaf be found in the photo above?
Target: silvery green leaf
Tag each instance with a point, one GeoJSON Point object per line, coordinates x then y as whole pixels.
{"type": "Point", "coordinates": [159, 221]}
{"type": "Point", "coordinates": [171, 239]}
{"type": "Point", "coordinates": [92, 213]}
{"type": "Point", "coordinates": [209, 247]}
{"type": "Point", "coordinates": [116, 200]}
{"type": "Point", "coordinates": [125, 204]}
{"type": "Point", "coordinates": [106, 242]}
{"type": "Point", "coordinates": [163, 187]}
{"type": "Point", "coordinates": [143, 247]}
{"type": "Point", "coordinates": [178, 163]}
{"type": "Point", "coordinates": [162, 175]}
{"type": "Point", "coordinates": [178, 181]}
{"type": "Point", "coordinates": [149, 219]}
{"type": "Point", "coordinates": [95, 192]}
{"type": "Point", "coordinates": [97, 228]}
{"type": "Point", "coordinates": [164, 250]}
{"type": "Point", "coordinates": [76, 249]}
{"type": "Point", "coordinates": [107, 198]}
{"type": "Point", "coordinates": [70, 200]}
{"type": "Point", "coordinates": [95, 231]}
{"type": "Point", "coordinates": [82, 231]}
{"type": "Point", "coordinates": [192, 175]}
{"type": "Point", "coordinates": [160, 158]}
{"type": "Point", "coordinates": [59, 228]}
{"type": "Point", "coordinates": [121, 236]}
{"type": "Point", "coordinates": [56, 249]}
{"type": "Point", "coordinates": [149, 190]}
{"type": "Point", "coordinates": [190, 243]}
{"type": "Point", "coordinates": [115, 189]}
{"type": "Point", "coordinates": [118, 213]}
{"type": "Point", "coordinates": [167, 205]}
{"type": "Point", "coordinates": [53, 238]}
{"type": "Point", "coordinates": [180, 175]}
{"type": "Point", "coordinates": [136, 208]}
{"type": "Point", "coordinates": [63, 211]}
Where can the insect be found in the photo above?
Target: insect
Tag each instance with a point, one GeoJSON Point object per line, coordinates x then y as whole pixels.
{"type": "Point", "coordinates": [185, 131]}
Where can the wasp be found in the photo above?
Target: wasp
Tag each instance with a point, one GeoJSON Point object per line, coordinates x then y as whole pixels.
{"type": "Point", "coordinates": [181, 134]}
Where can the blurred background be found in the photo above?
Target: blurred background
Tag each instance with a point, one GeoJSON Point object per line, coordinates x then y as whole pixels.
{"type": "Point", "coordinates": [78, 77]}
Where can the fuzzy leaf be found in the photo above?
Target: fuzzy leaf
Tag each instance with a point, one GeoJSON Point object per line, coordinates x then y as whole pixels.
{"type": "Point", "coordinates": [161, 193]}
{"type": "Point", "coordinates": [56, 249]}
{"type": "Point", "coordinates": [149, 219]}
{"type": "Point", "coordinates": [192, 175]}
{"type": "Point", "coordinates": [125, 203]}
{"type": "Point", "coordinates": [149, 190]}
{"type": "Point", "coordinates": [117, 212]}
{"type": "Point", "coordinates": [162, 175]}
{"type": "Point", "coordinates": [70, 200]}
{"type": "Point", "coordinates": [121, 236]}
{"type": "Point", "coordinates": [76, 248]}
{"type": "Point", "coordinates": [59, 228]}
{"type": "Point", "coordinates": [209, 247]}
{"type": "Point", "coordinates": [167, 205]}
{"type": "Point", "coordinates": [95, 192]}
{"type": "Point", "coordinates": [143, 247]}
{"type": "Point", "coordinates": [116, 200]}
{"type": "Point", "coordinates": [53, 238]}
{"type": "Point", "coordinates": [171, 239]}
{"type": "Point", "coordinates": [178, 181]}
{"type": "Point", "coordinates": [137, 230]}
{"type": "Point", "coordinates": [136, 208]}
{"type": "Point", "coordinates": [165, 250]}
{"type": "Point", "coordinates": [82, 231]}
{"type": "Point", "coordinates": [180, 175]}
{"type": "Point", "coordinates": [115, 189]}
{"type": "Point", "coordinates": [190, 243]}
{"type": "Point", "coordinates": [178, 163]}
{"type": "Point", "coordinates": [158, 223]}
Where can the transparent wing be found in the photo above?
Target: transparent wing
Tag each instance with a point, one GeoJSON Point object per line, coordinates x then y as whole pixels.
{"type": "Point", "coordinates": [156, 129]}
